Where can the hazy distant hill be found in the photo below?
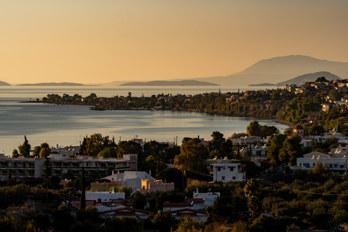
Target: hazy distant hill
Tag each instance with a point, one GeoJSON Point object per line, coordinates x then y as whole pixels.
{"type": "Point", "coordinates": [170, 83]}
{"type": "Point", "coordinates": [280, 69]}
{"type": "Point", "coordinates": [310, 77]}
{"type": "Point", "coordinates": [53, 84]}
{"type": "Point", "coordinates": [4, 84]}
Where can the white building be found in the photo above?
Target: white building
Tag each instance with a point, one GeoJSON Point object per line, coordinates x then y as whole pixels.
{"type": "Point", "coordinates": [100, 197]}
{"type": "Point", "coordinates": [21, 167]}
{"type": "Point", "coordinates": [130, 178]}
{"type": "Point", "coordinates": [208, 198]}
{"type": "Point", "coordinates": [226, 172]}
{"type": "Point", "coordinates": [341, 150]}
{"type": "Point", "coordinates": [247, 139]}
{"type": "Point", "coordinates": [341, 138]}
{"type": "Point", "coordinates": [334, 163]}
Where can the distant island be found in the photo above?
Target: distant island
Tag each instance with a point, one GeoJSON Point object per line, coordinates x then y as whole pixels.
{"type": "Point", "coordinates": [262, 84]}
{"type": "Point", "coordinates": [300, 80]}
{"type": "Point", "coordinates": [53, 84]}
{"type": "Point", "coordinates": [4, 84]}
{"type": "Point", "coordinates": [309, 77]}
{"type": "Point", "coordinates": [170, 83]}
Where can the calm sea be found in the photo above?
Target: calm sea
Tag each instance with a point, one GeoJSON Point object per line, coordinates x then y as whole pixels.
{"type": "Point", "coordinates": [67, 125]}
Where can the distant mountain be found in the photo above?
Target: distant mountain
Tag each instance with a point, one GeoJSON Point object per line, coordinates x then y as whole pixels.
{"type": "Point", "coordinates": [279, 69]}
{"type": "Point", "coordinates": [4, 84]}
{"type": "Point", "coordinates": [310, 77]}
{"type": "Point", "coordinates": [170, 83]}
{"type": "Point", "coordinates": [53, 84]}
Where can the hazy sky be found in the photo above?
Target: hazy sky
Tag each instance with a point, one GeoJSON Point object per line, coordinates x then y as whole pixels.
{"type": "Point", "coordinates": [113, 40]}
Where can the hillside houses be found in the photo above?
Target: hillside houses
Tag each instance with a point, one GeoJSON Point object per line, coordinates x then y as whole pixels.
{"type": "Point", "coordinates": [332, 162]}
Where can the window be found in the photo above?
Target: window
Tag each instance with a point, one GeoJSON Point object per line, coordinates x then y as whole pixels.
{"type": "Point", "coordinates": [218, 169]}
{"type": "Point", "coordinates": [223, 178]}
{"type": "Point", "coordinates": [233, 178]}
{"type": "Point", "coordinates": [231, 169]}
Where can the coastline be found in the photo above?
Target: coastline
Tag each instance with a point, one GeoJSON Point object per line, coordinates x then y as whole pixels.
{"type": "Point", "coordinates": [212, 113]}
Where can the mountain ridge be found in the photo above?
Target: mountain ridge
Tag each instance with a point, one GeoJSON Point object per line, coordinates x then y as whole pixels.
{"type": "Point", "coordinates": [2, 83]}
{"type": "Point", "coordinates": [280, 69]}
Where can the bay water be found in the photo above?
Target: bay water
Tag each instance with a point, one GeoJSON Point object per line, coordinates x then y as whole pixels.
{"type": "Point", "coordinates": [65, 125]}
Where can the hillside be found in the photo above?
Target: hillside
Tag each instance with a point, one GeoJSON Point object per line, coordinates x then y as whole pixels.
{"type": "Point", "coordinates": [4, 84]}
{"type": "Point", "coordinates": [280, 69]}
{"type": "Point", "coordinates": [170, 83]}
{"type": "Point", "coordinates": [310, 77]}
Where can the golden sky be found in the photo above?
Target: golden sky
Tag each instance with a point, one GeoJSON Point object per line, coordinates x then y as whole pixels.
{"type": "Point", "coordinates": [92, 41]}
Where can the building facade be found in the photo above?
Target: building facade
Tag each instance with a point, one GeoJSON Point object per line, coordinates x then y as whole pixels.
{"type": "Point", "coordinates": [21, 168]}
{"type": "Point", "coordinates": [226, 172]}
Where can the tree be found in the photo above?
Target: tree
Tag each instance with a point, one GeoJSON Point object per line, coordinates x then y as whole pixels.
{"type": "Point", "coordinates": [94, 144]}
{"type": "Point", "coordinates": [127, 190]}
{"type": "Point", "coordinates": [109, 152]}
{"type": "Point", "coordinates": [138, 200]}
{"type": "Point", "coordinates": [190, 225]}
{"type": "Point", "coordinates": [321, 79]}
{"type": "Point", "coordinates": [174, 175]}
{"type": "Point", "coordinates": [268, 130]}
{"type": "Point", "coordinates": [319, 168]}
{"type": "Point", "coordinates": [44, 152]}
{"type": "Point", "coordinates": [276, 143]}
{"type": "Point", "coordinates": [163, 221]}
{"type": "Point", "coordinates": [36, 151]}
{"type": "Point", "coordinates": [192, 157]}
{"type": "Point", "coordinates": [15, 153]}
{"type": "Point", "coordinates": [254, 129]}
{"type": "Point", "coordinates": [24, 149]}
{"type": "Point", "coordinates": [291, 150]}
{"type": "Point", "coordinates": [216, 146]}
{"type": "Point", "coordinates": [315, 129]}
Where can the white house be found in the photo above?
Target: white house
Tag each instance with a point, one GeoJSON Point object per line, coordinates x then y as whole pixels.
{"type": "Point", "coordinates": [247, 139]}
{"type": "Point", "coordinates": [341, 138]}
{"type": "Point", "coordinates": [226, 172]}
{"type": "Point", "coordinates": [334, 163]}
{"type": "Point", "coordinates": [130, 178]}
{"type": "Point", "coordinates": [341, 150]}
{"type": "Point", "coordinates": [208, 198]}
{"type": "Point", "coordinates": [104, 196]}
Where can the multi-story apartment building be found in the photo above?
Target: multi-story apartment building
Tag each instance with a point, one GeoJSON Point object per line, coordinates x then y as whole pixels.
{"type": "Point", "coordinates": [21, 167]}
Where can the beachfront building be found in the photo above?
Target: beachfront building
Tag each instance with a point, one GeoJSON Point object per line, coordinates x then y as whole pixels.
{"type": "Point", "coordinates": [22, 168]}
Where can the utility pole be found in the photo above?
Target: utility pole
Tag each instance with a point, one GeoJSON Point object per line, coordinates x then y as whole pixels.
{"type": "Point", "coordinates": [83, 191]}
